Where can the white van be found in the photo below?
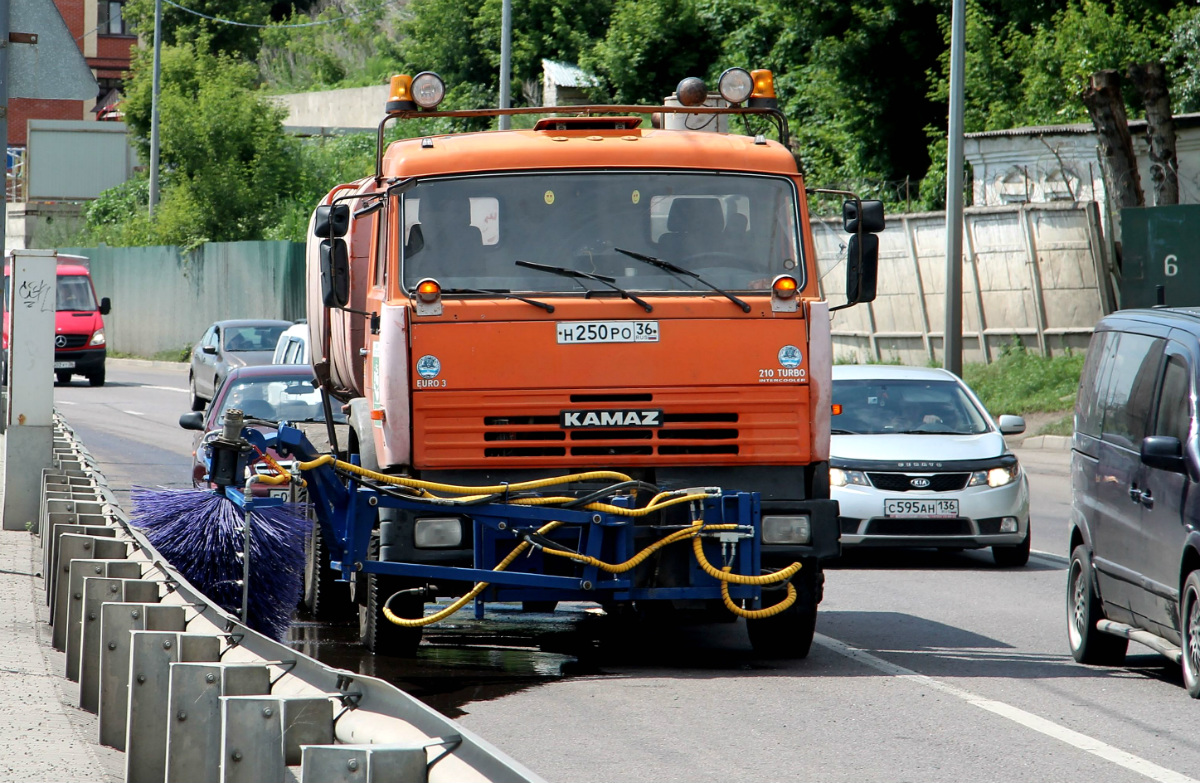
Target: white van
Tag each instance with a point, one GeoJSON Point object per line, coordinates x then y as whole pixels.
{"type": "Point", "coordinates": [292, 347]}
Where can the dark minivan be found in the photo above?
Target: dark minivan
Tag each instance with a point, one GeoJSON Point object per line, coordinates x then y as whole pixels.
{"type": "Point", "coordinates": [1135, 465]}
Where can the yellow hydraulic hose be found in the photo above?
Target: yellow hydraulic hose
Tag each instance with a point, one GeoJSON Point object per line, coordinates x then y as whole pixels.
{"type": "Point", "coordinates": [470, 596]}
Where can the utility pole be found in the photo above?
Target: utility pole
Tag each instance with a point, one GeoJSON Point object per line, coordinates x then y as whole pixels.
{"type": "Point", "coordinates": [505, 61]}
{"type": "Point", "coordinates": [4, 120]}
{"type": "Point", "coordinates": [952, 334]}
{"type": "Point", "coordinates": [154, 106]}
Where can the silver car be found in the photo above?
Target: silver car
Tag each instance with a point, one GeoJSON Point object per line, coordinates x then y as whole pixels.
{"type": "Point", "coordinates": [916, 461]}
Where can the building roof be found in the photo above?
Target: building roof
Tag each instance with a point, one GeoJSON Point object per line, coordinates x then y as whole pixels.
{"type": "Point", "coordinates": [1080, 128]}
{"type": "Point", "coordinates": [566, 75]}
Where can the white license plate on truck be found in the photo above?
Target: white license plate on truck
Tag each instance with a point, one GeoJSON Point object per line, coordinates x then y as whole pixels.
{"type": "Point", "coordinates": [920, 508]}
{"type": "Point", "coordinates": [571, 332]}
{"type": "Point", "coordinates": [64, 365]}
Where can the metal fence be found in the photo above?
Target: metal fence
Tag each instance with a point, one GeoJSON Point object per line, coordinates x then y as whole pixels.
{"type": "Point", "coordinates": [1037, 273]}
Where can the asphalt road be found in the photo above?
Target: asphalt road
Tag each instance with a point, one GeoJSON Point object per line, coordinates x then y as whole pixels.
{"type": "Point", "coordinates": [927, 667]}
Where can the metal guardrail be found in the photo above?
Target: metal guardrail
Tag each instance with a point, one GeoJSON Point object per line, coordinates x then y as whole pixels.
{"type": "Point", "coordinates": [189, 693]}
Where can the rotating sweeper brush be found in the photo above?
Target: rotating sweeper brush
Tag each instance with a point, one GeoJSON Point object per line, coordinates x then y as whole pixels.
{"type": "Point", "coordinates": [202, 532]}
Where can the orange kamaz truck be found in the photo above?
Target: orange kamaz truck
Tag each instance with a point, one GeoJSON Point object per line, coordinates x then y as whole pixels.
{"type": "Point", "coordinates": [603, 289]}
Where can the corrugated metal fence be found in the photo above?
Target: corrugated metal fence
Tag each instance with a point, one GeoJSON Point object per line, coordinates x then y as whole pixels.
{"type": "Point", "coordinates": [1038, 273]}
{"type": "Point", "coordinates": [163, 299]}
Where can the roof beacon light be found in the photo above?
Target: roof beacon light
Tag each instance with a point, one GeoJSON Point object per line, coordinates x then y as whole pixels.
{"type": "Point", "coordinates": [429, 297]}
{"type": "Point", "coordinates": [735, 85]}
{"type": "Point", "coordinates": [428, 89]}
{"type": "Point", "coordinates": [783, 294]}
{"type": "Point", "coordinates": [692, 91]}
{"type": "Point", "coordinates": [763, 96]}
{"type": "Point", "coordinates": [400, 98]}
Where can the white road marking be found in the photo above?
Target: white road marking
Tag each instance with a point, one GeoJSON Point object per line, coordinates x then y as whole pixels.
{"type": "Point", "coordinates": [63, 402]}
{"type": "Point", "coordinates": [167, 388]}
{"type": "Point", "coordinates": [134, 413]}
{"type": "Point", "coordinates": [1017, 715]}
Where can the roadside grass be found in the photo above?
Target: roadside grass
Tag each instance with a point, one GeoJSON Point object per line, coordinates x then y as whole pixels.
{"type": "Point", "coordinates": [172, 355]}
{"type": "Point", "coordinates": [1020, 382]}
{"type": "Point", "coordinates": [1062, 426]}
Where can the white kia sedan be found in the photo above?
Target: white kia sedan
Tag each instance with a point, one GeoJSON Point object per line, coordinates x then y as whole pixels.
{"type": "Point", "coordinates": [916, 461]}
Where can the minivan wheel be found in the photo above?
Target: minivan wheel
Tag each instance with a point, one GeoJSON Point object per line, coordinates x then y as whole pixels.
{"type": "Point", "coordinates": [1189, 611]}
{"type": "Point", "coordinates": [1012, 556]}
{"type": "Point", "coordinates": [1088, 645]}
{"type": "Point", "coordinates": [96, 378]}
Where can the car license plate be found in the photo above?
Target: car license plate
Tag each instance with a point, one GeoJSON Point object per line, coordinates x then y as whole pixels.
{"type": "Point", "coordinates": [920, 508]}
{"type": "Point", "coordinates": [571, 332]}
{"type": "Point", "coordinates": [64, 365]}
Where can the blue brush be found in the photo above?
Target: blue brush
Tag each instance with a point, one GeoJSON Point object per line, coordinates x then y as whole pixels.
{"type": "Point", "coordinates": [200, 533]}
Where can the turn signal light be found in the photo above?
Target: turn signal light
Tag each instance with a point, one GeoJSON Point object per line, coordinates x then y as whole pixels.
{"type": "Point", "coordinates": [400, 98]}
{"type": "Point", "coordinates": [783, 294]}
{"type": "Point", "coordinates": [764, 90]}
{"type": "Point", "coordinates": [837, 409]}
{"type": "Point", "coordinates": [428, 290]}
{"type": "Point", "coordinates": [377, 415]}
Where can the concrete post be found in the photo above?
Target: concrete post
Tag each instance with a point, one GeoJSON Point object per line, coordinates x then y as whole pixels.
{"type": "Point", "coordinates": [30, 425]}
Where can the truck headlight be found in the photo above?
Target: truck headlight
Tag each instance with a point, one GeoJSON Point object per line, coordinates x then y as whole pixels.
{"type": "Point", "coordinates": [97, 337]}
{"type": "Point", "coordinates": [437, 533]}
{"type": "Point", "coordinates": [996, 477]}
{"type": "Point", "coordinates": [840, 478]}
{"type": "Point", "coordinates": [786, 530]}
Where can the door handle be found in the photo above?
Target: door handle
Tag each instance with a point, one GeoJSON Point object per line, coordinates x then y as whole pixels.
{"type": "Point", "coordinates": [1135, 494]}
{"type": "Point", "coordinates": [1147, 499]}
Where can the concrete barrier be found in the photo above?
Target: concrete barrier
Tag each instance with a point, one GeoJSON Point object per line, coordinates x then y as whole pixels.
{"type": "Point", "coordinates": [190, 694]}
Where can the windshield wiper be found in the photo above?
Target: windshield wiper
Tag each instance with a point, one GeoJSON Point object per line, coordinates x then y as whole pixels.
{"type": "Point", "coordinates": [549, 308]}
{"type": "Point", "coordinates": [678, 270]}
{"type": "Point", "coordinates": [575, 273]}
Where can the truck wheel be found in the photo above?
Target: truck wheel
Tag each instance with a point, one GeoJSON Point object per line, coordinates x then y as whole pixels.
{"type": "Point", "coordinates": [788, 634]}
{"type": "Point", "coordinates": [379, 634]}
{"type": "Point", "coordinates": [96, 378]}
{"type": "Point", "coordinates": [1089, 645]}
{"type": "Point", "coordinates": [1013, 556]}
{"type": "Point", "coordinates": [326, 597]}
{"type": "Point", "coordinates": [63, 377]}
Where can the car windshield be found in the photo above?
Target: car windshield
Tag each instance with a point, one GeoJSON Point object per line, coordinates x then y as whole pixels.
{"type": "Point", "coordinates": [736, 231]}
{"type": "Point", "coordinates": [252, 338]}
{"type": "Point", "coordinates": [876, 407]}
{"type": "Point", "coordinates": [75, 293]}
{"type": "Point", "coordinates": [276, 399]}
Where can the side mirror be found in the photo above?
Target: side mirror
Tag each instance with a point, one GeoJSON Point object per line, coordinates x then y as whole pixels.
{"type": "Point", "coordinates": [105, 306]}
{"type": "Point", "coordinates": [862, 268]}
{"type": "Point", "coordinates": [192, 421]}
{"type": "Point", "coordinates": [332, 221]}
{"type": "Point", "coordinates": [872, 217]}
{"type": "Point", "coordinates": [211, 350]}
{"type": "Point", "coordinates": [1011, 425]}
{"type": "Point", "coordinates": [335, 273]}
{"type": "Point", "coordinates": [1163, 452]}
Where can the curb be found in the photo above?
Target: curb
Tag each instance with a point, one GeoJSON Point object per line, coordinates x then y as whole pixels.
{"type": "Point", "coordinates": [147, 363]}
{"type": "Point", "coordinates": [1046, 442]}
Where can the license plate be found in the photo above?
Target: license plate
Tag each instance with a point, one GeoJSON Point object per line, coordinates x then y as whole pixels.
{"type": "Point", "coordinates": [571, 332]}
{"type": "Point", "coordinates": [286, 494]}
{"type": "Point", "coordinates": [64, 365]}
{"type": "Point", "coordinates": [920, 508]}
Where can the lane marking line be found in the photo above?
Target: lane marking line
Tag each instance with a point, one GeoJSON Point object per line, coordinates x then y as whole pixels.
{"type": "Point", "coordinates": [134, 413]}
{"type": "Point", "coordinates": [1015, 714]}
{"type": "Point", "coordinates": [165, 388]}
{"type": "Point", "coordinates": [64, 402]}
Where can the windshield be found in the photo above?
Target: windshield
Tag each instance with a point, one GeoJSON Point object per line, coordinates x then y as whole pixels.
{"type": "Point", "coordinates": [252, 338]}
{"type": "Point", "coordinates": [737, 231]}
{"type": "Point", "coordinates": [75, 293]}
{"type": "Point", "coordinates": [276, 399]}
{"type": "Point", "coordinates": [874, 407]}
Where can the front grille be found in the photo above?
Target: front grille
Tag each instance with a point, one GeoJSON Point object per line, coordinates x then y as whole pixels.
{"type": "Point", "coordinates": [919, 527]}
{"type": "Point", "coordinates": [73, 340]}
{"type": "Point", "coordinates": [902, 482]}
{"type": "Point", "coordinates": [682, 434]}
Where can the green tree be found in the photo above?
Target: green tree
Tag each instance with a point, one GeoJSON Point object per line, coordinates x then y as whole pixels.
{"type": "Point", "coordinates": [180, 27]}
{"type": "Point", "coordinates": [228, 160]}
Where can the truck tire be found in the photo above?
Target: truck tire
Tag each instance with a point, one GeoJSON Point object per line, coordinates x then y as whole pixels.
{"type": "Point", "coordinates": [377, 633]}
{"type": "Point", "coordinates": [96, 378]}
{"type": "Point", "coordinates": [63, 377]}
{"type": "Point", "coordinates": [788, 634]}
{"type": "Point", "coordinates": [326, 597]}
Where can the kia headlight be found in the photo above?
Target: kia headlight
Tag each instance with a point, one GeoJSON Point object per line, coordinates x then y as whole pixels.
{"type": "Point", "coordinates": [786, 530]}
{"type": "Point", "coordinates": [841, 478]}
{"type": "Point", "coordinates": [995, 477]}
{"type": "Point", "coordinates": [97, 337]}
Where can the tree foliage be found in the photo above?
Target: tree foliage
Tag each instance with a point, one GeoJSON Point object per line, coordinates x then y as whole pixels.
{"type": "Point", "coordinates": [181, 27]}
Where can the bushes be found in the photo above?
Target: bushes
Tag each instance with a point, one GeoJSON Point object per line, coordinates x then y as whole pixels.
{"type": "Point", "coordinates": [1020, 382]}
